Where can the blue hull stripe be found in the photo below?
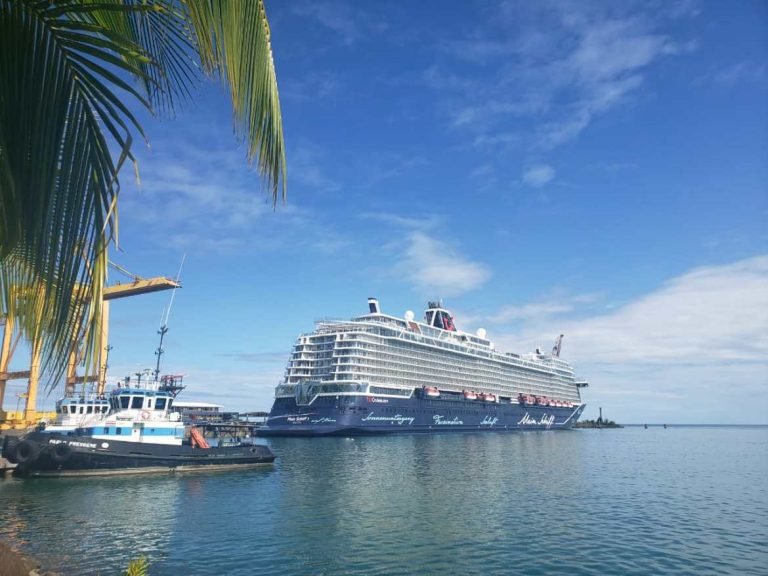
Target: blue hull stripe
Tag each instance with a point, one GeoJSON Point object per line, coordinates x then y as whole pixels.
{"type": "Point", "coordinates": [348, 415]}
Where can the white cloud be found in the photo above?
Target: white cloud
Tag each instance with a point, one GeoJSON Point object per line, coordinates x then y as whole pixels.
{"type": "Point", "coordinates": [435, 268]}
{"type": "Point", "coordinates": [699, 341]}
{"type": "Point", "coordinates": [428, 222]}
{"type": "Point", "coordinates": [345, 19]}
{"type": "Point", "coordinates": [241, 391]}
{"type": "Point", "coordinates": [312, 86]}
{"type": "Point", "coordinates": [709, 315]}
{"type": "Point", "coordinates": [307, 163]}
{"type": "Point", "coordinates": [533, 311]}
{"type": "Point", "coordinates": [538, 175]}
{"type": "Point", "coordinates": [206, 199]}
{"type": "Point", "coordinates": [741, 72]}
{"type": "Point", "coordinates": [556, 66]}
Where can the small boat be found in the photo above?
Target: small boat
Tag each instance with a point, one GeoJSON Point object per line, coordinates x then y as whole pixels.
{"type": "Point", "coordinates": [431, 392]}
{"type": "Point", "coordinates": [470, 395]}
{"type": "Point", "coordinates": [138, 433]}
{"type": "Point", "coordinates": [488, 397]}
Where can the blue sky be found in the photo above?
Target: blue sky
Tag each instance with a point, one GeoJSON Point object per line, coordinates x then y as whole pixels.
{"type": "Point", "coordinates": [596, 169]}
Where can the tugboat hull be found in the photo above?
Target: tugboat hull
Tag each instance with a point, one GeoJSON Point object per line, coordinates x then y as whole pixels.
{"type": "Point", "coordinates": [50, 454]}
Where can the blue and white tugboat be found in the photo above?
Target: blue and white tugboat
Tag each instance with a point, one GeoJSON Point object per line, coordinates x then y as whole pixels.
{"type": "Point", "coordinates": [130, 430]}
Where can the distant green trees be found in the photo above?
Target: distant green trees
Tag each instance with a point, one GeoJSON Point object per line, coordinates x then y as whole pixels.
{"type": "Point", "coordinates": [599, 423]}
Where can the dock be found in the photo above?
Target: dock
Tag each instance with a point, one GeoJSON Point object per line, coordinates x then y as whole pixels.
{"type": "Point", "coordinates": [236, 429]}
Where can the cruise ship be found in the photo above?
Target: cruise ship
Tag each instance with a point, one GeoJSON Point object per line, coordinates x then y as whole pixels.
{"type": "Point", "coordinates": [379, 374]}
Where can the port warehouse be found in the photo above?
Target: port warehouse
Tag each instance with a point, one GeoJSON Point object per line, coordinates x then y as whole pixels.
{"type": "Point", "coordinates": [201, 411]}
{"type": "Point", "coordinates": [205, 412]}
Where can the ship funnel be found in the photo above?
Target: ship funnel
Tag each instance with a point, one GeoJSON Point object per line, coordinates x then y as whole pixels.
{"type": "Point", "coordinates": [373, 306]}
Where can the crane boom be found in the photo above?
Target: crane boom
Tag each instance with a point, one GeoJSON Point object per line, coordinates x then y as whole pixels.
{"type": "Point", "coordinates": [137, 285]}
{"type": "Point", "coordinates": [140, 286]}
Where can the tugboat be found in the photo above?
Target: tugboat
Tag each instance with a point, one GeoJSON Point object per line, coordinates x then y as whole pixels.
{"type": "Point", "coordinates": [137, 432]}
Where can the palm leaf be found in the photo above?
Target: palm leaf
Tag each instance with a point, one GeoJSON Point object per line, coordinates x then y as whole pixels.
{"type": "Point", "coordinates": [163, 34]}
{"type": "Point", "coordinates": [66, 68]}
{"type": "Point", "coordinates": [59, 180]}
{"type": "Point", "coordinates": [233, 40]}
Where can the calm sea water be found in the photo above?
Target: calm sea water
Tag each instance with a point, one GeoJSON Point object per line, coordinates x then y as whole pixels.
{"type": "Point", "coordinates": [631, 501]}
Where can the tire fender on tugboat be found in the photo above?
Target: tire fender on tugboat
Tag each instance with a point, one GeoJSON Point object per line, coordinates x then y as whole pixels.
{"type": "Point", "coordinates": [61, 453]}
{"type": "Point", "coordinates": [9, 449]}
{"type": "Point", "coordinates": [26, 451]}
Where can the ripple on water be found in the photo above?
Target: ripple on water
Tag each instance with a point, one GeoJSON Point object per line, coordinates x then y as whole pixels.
{"type": "Point", "coordinates": [632, 501]}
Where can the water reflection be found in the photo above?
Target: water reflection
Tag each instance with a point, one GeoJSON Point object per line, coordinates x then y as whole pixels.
{"type": "Point", "coordinates": [538, 502]}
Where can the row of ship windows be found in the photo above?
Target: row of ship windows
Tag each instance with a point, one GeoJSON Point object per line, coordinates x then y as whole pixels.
{"type": "Point", "coordinates": [431, 371]}
{"type": "Point", "coordinates": [478, 409]}
{"type": "Point", "coordinates": [359, 357]}
{"type": "Point", "coordinates": [408, 379]}
{"type": "Point", "coordinates": [398, 350]}
{"type": "Point", "coordinates": [367, 340]}
{"type": "Point", "coordinates": [408, 358]}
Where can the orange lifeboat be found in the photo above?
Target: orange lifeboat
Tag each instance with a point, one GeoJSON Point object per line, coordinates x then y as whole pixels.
{"type": "Point", "coordinates": [470, 395]}
{"type": "Point", "coordinates": [198, 441]}
{"type": "Point", "coordinates": [431, 392]}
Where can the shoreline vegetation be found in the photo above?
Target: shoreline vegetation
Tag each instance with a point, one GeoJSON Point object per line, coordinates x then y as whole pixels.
{"type": "Point", "coordinates": [599, 423]}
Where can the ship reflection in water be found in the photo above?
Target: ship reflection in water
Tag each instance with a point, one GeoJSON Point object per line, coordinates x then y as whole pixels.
{"type": "Point", "coordinates": [421, 504]}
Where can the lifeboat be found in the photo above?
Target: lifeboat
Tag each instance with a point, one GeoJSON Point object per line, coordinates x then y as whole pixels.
{"type": "Point", "coordinates": [470, 395]}
{"type": "Point", "coordinates": [541, 400]}
{"type": "Point", "coordinates": [489, 397]}
{"type": "Point", "coordinates": [431, 392]}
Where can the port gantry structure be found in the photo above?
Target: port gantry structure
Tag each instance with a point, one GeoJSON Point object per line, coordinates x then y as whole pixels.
{"type": "Point", "coordinates": [135, 287]}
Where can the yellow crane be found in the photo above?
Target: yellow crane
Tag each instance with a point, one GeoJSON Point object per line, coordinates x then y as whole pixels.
{"type": "Point", "coordinates": [29, 416]}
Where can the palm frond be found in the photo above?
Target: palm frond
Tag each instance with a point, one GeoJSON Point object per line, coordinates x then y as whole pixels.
{"type": "Point", "coordinates": [65, 133]}
{"type": "Point", "coordinates": [233, 41]}
{"type": "Point", "coordinates": [161, 30]}
{"type": "Point", "coordinates": [58, 103]}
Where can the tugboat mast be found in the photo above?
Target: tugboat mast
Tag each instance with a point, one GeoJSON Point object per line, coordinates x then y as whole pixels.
{"type": "Point", "coordinates": [164, 325]}
{"type": "Point", "coordinates": [159, 351]}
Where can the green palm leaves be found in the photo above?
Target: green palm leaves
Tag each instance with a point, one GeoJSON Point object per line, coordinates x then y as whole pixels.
{"type": "Point", "coordinates": [70, 72]}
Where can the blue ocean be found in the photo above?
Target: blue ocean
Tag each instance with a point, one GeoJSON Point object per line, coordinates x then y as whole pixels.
{"type": "Point", "coordinates": [680, 500]}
